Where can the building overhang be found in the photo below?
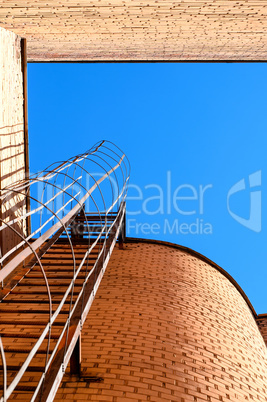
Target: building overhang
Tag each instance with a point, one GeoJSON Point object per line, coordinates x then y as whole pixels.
{"type": "Point", "coordinates": [139, 31]}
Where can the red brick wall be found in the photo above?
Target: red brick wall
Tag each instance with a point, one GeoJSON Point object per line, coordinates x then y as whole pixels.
{"type": "Point", "coordinates": [168, 326]}
{"type": "Point", "coordinates": [262, 324]}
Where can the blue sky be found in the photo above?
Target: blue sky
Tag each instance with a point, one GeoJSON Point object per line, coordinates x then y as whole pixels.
{"type": "Point", "coordinates": [190, 130]}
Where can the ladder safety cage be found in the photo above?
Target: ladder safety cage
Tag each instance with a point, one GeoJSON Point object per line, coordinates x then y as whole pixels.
{"type": "Point", "coordinates": [54, 251]}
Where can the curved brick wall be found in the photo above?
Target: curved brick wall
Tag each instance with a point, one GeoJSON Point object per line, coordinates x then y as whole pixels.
{"type": "Point", "coordinates": [262, 324]}
{"type": "Point", "coordinates": [166, 325]}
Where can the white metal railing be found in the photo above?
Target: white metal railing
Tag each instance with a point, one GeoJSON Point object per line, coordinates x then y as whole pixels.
{"type": "Point", "coordinates": [57, 196]}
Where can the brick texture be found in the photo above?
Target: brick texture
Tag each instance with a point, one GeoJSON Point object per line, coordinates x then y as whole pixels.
{"type": "Point", "coordinates": [166, 325]}
{"type": "Point", "coordinates": [262, 324]}
{"type": "Point", "coordinates": [138, 30]}
{"type": "Point", "coordinates": [12, 159]}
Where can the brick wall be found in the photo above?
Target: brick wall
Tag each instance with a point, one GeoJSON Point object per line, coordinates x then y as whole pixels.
{"type": "Point", "coordinates": [262, 324]}
{"type": "Point", "coordinates": [12, 160]}
{"type": "Point", "coordinates": [167, 326]}
{"type": "Point", "coordinates": [130, 30]}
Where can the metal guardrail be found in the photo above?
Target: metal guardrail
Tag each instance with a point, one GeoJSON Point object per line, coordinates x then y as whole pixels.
{"type": "Point", "coordinates": [66, 199]}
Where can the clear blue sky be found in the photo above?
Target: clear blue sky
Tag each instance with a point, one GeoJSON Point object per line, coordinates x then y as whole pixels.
{"type": "Point", "coordinates": [201, 127]}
